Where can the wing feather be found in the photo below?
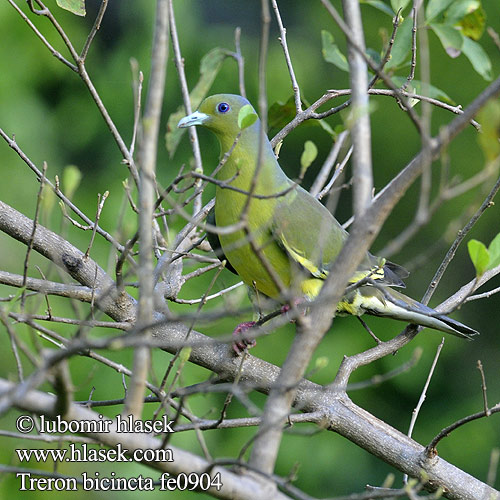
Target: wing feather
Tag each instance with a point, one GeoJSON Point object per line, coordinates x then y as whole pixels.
{"type": "Point", "coordinates": [313, 238]}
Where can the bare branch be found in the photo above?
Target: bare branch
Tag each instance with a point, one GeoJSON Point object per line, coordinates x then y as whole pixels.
{"type": "Point", "coordinates": [35, 223]}
{"type": "Point", "coordinates": [13, 144]}
{"type": "Point", "coordinates": [323, 174]}
{"type": "Point", "coordinates": [53, 51]}
{"type": "Point", "coordinates": [70, 259]}
{"type": "Point", "coordinates": [288, 59]}
{"type": "Point", "coordinates": [147, 160]}
{"type": "Point", "coordinates": [235, 486]}
{"type": "Point", "coordinates": [423, 395]}
{"type": "Point", "coordinates": [343, 416]}
{"type": "Point", "coordinates": [360, 129]}
{"type": "Point", "coordinates": [179, 64]}
{"type": "Point", "coordinates": [94, 30]}
{"type": "Point", "coordinates": [240, 61]}
{"type": "Point", "coordinates": [430, 449]}
{"type": "Point", "coordinates": [460, 237]}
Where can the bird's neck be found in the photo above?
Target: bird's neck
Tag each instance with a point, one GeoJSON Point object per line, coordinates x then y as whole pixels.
{"type": "Point", "coordinates": [251, 158]}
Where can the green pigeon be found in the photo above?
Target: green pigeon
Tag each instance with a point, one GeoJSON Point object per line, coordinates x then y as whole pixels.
{"type": "Point", "coordinates": [290, 239]}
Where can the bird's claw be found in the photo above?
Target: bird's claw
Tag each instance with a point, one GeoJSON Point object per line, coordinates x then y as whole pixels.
{"type": "Point", "coordinates": [296, 302]}
{"type": "Point", "coordinates": [240, 345]}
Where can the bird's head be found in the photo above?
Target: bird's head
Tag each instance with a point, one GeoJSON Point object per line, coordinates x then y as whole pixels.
{"type": "Point", "coordinates": [218, 113]}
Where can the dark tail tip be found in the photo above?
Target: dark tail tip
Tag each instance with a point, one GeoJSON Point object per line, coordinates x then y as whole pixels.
{"type": "Point", "coordinates": [461, 330]}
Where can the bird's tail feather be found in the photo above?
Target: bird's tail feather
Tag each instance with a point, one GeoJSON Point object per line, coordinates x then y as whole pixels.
{"type": "Point", "coordinates": [390, 303]}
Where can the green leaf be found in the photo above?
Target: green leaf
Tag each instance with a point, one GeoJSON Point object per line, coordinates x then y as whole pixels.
{"type": "Point", "coordinates": [478, 255]}
{"type": "Point", "coordinates": [308, 156]}
{"type": "Point", "coordinates": [321, 362]}
{"type": "Point", "coordinates": [451, 39]}
{"type": "Point", "coordinates": [281, 113]}
{"type": "Point", "coordinates": [399, 4]}
{"type": "Point", "coordinates": [459, 9]}
{"type": "Point", "coordinates": [434, 8]}
{"type": "Point", "coordinates": [380, 5]}
{"type": "Point", "coordinates": [75, 6]}
{"type": "Point", "coordinates": [325, 126]}
{"type": "Point", "coordinates": [494, 251]}
{"type": "Point", "coordinates": [478, 58]}
{"type": "Point", "coordinates": [209, 68]}
{"type": "Point", "coordinates": [402, 44]}
{"type": "Point", "coordinates": [48, 199]}
{"type": "Point", "coordinates": [473, 24]}
{"type": "Point", "coordinates": [331, 52]}
{"type": "Point", "coordinates": [71, 178]}
{"type": "Point", "coordinates": [489, 138]}
{"type": "Point", "coordinates": [184, 354]}
{"type": "Point", "coordinates": [246, 116]}
{"type": "Point", "coordinates": [416, 86]}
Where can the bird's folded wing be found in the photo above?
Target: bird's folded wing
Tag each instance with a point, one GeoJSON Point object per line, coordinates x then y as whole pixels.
{"type": "Point", "coordinates": [307, 232]}
{"type": "Point", "coordinates": [313, 238]}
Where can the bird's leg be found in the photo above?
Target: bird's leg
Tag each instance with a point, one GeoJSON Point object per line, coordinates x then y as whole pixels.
{"type": "Point", "coordinates": [296, 302]}
{"type": "Point", "coordinates": [241, 344]}
{"type": "Point", "coordinates": [368, 329]}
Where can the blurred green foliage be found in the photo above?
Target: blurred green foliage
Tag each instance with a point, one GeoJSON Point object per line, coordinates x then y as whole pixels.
{"type": "Point", "coordinates": [54, 119]}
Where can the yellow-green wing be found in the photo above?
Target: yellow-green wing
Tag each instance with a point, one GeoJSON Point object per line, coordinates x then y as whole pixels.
{"type": "Point", "coordinates": [313, 238]}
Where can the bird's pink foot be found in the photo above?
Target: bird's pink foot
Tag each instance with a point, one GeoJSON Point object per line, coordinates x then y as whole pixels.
{"type": "Point", "coordinates": [296, 302]}
{"type": "Point", "coordinates": [240, 344]}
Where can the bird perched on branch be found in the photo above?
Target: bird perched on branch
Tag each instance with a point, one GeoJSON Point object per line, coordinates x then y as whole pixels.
{"type": "Point", "coordinates": [279, 238]}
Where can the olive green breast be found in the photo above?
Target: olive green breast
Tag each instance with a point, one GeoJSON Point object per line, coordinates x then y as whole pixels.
{"type": "Point", "coordinates": [252, 251]}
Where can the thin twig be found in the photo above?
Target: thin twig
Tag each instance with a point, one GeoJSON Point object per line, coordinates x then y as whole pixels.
{"type": "Point", "coordinates": [13, 144]}
{"type": "Point", "coordinates": [413, 63]}
{"type": "Point", "coordinates": [138, 79]}
{"type": "Point", "coordinates": [32, 239]}
{"type": "Point", "coordinates": [13, 343]}
{"type": "Point", "coordinates": [179, 64]}
{"type": "Point", "coordinates": [338, 172]}
{"type": "Point", "coordinates": [430, 449]}
{"type": "Point", "coordinates": [53, 51]}
{"type": "Point", "coordinates": [229, 396]}
{"type": "Point", "coordinates": [101, 199]}
{"type": "Point", "coordinates": [288, 59]}
{"type": "Point", "coordinates": [209, 297]}
{"type": "Point", "coordinates": [483, 388]}
{"type": "Point", "coordinates": [147, 159]}
{"type": "Point", "coordinates": [240, 61]}
{"type": "Point", "coordinates": [484, 295]}
{"type": "Point", "coordinates": [423, 394]}
{"type": "Point", "coordinates": [330, 160]}
{"type": "Point", "coordinates": [94, 30]}
{"type": "Point", "coordinates": [376, 380]}
{"type": "Point", "coordinates": [460, 237]}
{"type": "Point", "coordinates": [71, 321]}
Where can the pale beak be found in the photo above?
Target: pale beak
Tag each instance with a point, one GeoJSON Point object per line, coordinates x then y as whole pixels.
{"type": "Point", "coordinates": [195, 118]}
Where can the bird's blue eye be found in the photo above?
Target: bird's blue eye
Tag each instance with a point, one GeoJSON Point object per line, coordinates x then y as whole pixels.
{"type": "Point", "coordinates": [223, 107]}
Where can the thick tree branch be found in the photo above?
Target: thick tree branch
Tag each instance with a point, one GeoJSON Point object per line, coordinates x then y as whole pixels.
{"type": "Point", "coordinates": [71, 260]}
{"type": "Point", "coordinates": [236, 486]}
{"type": "Point", "coordinates": [360, 130]}
{"type": "Point", "coordinates": [342, 415]}
{"type": "Point", "coordinates": [147, 173]}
